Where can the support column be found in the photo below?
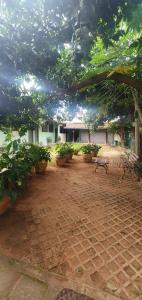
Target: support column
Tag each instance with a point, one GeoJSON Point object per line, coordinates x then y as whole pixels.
{"type": "Point", "coordinates": [73, 136]}
{"type": "Point", "coordinates": [30, 136]}
{"type": "Point", "coordinates": [37, 135]}
{"type": "Point", "coordinates": [106, 136]}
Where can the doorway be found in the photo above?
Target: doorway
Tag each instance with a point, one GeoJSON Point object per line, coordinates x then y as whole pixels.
{"type": "Point", "coordinates": [73, 135]}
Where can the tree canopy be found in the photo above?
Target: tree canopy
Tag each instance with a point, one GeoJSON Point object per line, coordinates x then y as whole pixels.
{"type": "Point", "coordinates": [63, 42]}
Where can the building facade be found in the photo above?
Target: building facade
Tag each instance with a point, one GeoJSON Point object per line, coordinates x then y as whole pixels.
{"type": "Point", "coordinates": [44, 135]}
{"type": "Point", "coordinates": [75, 132]}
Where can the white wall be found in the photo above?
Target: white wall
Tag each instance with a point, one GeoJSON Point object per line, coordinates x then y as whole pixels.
{"type": "Point", "coordinates": [110, 138]}
{"type": "Point", "coordinates": [61, 136]}
{"type": "Point", "coordinates": [15, 136]}
{"type": "Point", "coordinates": [98, 137]}
{"type": "Point", "coordinates": [2, 138]}
{"type": "Point", "coordinates": [44, 136]}
{"type": "Point", "coordinates": [84, 136]}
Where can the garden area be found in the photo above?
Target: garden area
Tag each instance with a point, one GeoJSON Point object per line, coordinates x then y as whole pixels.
{"type": "Point", "coordinates": [71, 150]}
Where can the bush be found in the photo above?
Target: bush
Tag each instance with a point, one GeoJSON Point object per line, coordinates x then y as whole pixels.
{"type": "Point", "coordinates": [15, 164]}
{"type": "Point", "coordinates": [63, 149]}
{"type": "Point", "coordinates": [87, 149]}
{"type": "Point", "coordinates": [34, 153]}
{"type": "Point", "coordinates": [76, 148]}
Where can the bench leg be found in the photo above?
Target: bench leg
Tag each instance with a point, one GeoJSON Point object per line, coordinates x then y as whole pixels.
{"type": "Point", "coordinates": [124, 173]}
{"type": "Point", "coordinates": [136, 175]}
{"type": "Point", "coordinates": [96, 168]}
{"type": "Point", "coordinates": [106, 168]}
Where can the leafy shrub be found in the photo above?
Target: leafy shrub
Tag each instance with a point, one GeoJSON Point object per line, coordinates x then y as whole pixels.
{"type": "Point", "coordinates": [76, 148]}
{"type": "Point", "coordinates": [95, 148]}
{"type": "Point", "coordinates": [34, 153]}
{"type": "Point", "coordinates": [87, 149]}
{"type": "Point", "coordinates": [15, 163]}
{"type": "Point", "coordinates": [63, 149]}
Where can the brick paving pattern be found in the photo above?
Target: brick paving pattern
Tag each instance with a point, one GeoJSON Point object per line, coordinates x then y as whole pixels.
{"type": "Point", "coordinates": [83, 225]}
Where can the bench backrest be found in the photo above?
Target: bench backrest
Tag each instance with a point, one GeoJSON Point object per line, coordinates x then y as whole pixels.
{"type": "Point", "coordinates": [129, 158]}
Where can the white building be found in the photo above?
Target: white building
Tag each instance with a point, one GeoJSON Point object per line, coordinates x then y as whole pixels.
{"type": "Point", "coordinates": [51, 133]}
{"type": "Point", "coordinates": [78, 132]}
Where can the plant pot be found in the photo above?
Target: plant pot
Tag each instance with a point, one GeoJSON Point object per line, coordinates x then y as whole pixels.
{"type": "Point", "coordinates": [4, 205]}
{"type": "Point", "coordinates": [11, 185]}
{"type": "Point", "coordinates": [94, 153]}
{"type": "Point", "coordinates": [76, 152]}
{"type": "Point", "coordinates": [87, 157]}
{"type": "Point", "coordinates": [60, 161]}
{"type": "Point", "coordinates": [68, 157]}
{"type": "Point", "coordinates": [33, 171]}
{"type": "Point", "coordinates": [42, 165]}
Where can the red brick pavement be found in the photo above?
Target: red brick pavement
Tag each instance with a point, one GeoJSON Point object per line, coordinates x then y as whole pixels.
{"type": "Point", "coordinates": [84, 225]}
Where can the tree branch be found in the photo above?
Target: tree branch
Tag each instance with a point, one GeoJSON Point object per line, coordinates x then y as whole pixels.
{"type": "Point", "coordinates": [121, 78]}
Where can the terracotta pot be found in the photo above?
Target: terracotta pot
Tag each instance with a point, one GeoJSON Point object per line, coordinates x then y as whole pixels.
{"type": "Point", "coordinates": [11, 185]}
{"type": "Point", "coordinates": [87, 157]}
{"type": "Point", "coordinates": [94, 153]}
{"type": "Point", "coordinates": [60, 161]}
{"type": "Point", "coordinates": [33, 171]}
{"type": "Point", "coordinates": [4, 205]}
{"type": "Point", "coordinates": [68, 157]}
{"type": "Point", "coordinates": [71, 155]}
{"type": "Point", "coordinates": [76, 152]}
{"type": "Point", "coordinates": [42, 165]}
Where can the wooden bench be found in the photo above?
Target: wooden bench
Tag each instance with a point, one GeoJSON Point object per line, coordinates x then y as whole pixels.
{"type": "Point", "coordinates": [128, 160]}
{"type": "Point", "coordinates": [101, 162]}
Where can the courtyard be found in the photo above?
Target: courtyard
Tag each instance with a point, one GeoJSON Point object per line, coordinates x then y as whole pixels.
{"type": "Point", "coordinates": [83, 225]}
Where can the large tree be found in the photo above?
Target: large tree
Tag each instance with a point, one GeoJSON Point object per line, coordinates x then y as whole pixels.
{"type": "Point", "coordinates": [34, 37]}
{"type": "Point", "coordinates": [32, 33]}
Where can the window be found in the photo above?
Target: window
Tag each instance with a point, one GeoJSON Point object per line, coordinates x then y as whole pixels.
{"type": "Point", "coordinates": [48, 127]}
{"type": "Point", "coordinates": [62, 129]}
{"type": "Point", "coordinates": [51, 127]}
{"type": "Point", "coordinates": [45, 127]}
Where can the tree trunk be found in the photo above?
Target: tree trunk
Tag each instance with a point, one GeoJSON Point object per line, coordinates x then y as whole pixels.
{"type": "Point", "coordinates": [122, 137]}
{"type": "Point", "coordinates": [137, 108]}
{"type": "Point", "coordinates": [138, 116]}
{"type": "Point", "coordinates": [137, 137]}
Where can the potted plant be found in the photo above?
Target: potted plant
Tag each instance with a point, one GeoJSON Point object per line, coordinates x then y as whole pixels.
{"type": "Point", "coordinates": [16, 166]}
{"type": "Point", "coordinates": [13, 174]}
{"type": "Point", "coordinates": [69, 151]}
{"type": "Point", "coordinates": [12, 179]}
{"type": "Point", "coordinates": [4, 192]}
{"type": "Point", "coordinates": [87, 153]}
{"type": "Point", "coordinates": [95, 150]}
{"type": "Point", "coordinates": [43, 158]}
{"type": "Point", "coordinates": [76, 148]}
{"type": "Point", "coordinates": [36, 156]}
{"type": "Point", "coordinates": [61, 153]}
{"type": "Point", "coordinates": [30, 154]}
